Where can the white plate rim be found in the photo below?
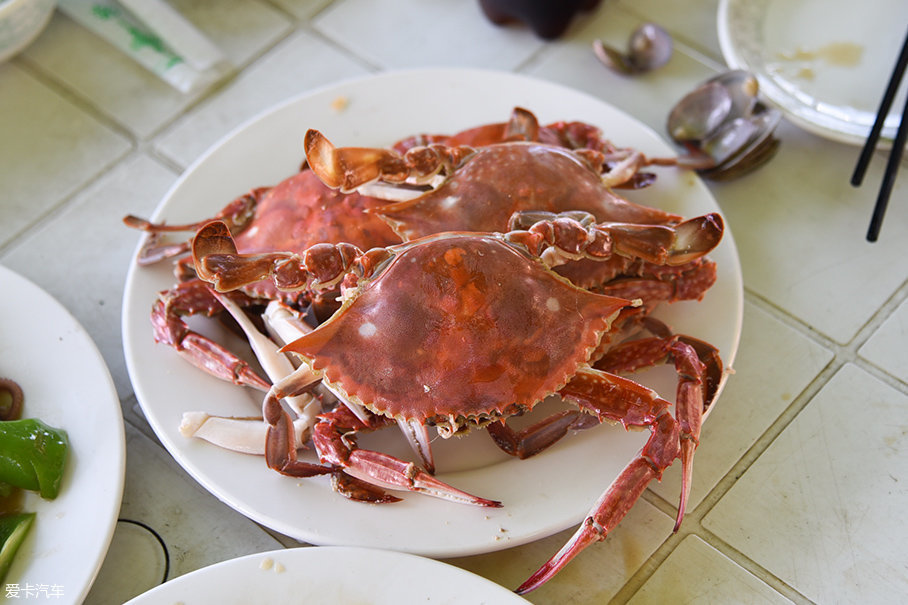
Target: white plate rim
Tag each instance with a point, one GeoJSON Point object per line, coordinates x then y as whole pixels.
{"type": "Point", "coordinates": [69, 540]}
{"type": "Point", "coordinates": [799, 113]}
{"type": "Point", "coordinates": [361, 573]}
{"type": "Point", "coordinates": [498, 529]}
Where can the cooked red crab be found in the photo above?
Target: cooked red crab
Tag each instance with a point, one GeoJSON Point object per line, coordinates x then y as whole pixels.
{"type": "Point", "coordinates": [524, 126]}
{"type": "Point", "coordinates": [292, 215]}
{"type": "Point", "coordinates": [301, 211]}
{"type": "Point", "coordinates": [489, 188]}
{"type": "Point", "coordinates": [480, 188]}
{"type": "Point", "coordinates": [462, 330]}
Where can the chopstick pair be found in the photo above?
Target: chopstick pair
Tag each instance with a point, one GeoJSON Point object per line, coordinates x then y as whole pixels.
{"type": "Point", "coordinates": [898, 146]}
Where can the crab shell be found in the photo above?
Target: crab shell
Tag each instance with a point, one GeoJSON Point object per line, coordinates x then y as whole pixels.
{"type": "Point", "coordinates": [500, 179]}
{"type": "Point", "coordinates": [301, 211]}
{"type": "Point", "coordinates": [457, 330]}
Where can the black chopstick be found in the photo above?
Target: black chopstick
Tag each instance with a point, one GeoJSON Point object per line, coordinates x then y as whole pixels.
{"type": "Point", "coordinates": [898, 146]}
{"type": "Point", "coordinates": [892, 167]}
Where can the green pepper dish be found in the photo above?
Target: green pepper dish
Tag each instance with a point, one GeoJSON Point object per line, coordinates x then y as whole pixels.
{"type": "Point", "coordinates": [32, 456]}
{"type": "Point", "coordinates": [13, 529]}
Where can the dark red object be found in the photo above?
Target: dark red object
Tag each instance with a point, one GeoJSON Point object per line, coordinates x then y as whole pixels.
{"type": "Point", "coordinates": [547, 18]}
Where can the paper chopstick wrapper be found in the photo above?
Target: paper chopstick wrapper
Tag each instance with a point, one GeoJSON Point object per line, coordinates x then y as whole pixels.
{"type": "Point", "coordinates": [155, 36]}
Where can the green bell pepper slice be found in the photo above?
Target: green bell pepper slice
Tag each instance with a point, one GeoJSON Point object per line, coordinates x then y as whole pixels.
{"type": "Point", "coordinates": [33, 456]}
{"type": "Point", "coordinates": [13, 529]}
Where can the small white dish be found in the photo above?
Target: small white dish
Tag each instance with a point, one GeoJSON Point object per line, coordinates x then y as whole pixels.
{"type": "Point", "coordinates": [68, 386]}
{"type": "Point", "coordinates": [824, 63]}
{"type": "Point", "coordinates": [328, 575]}
{"type": "Point", "coordinates": [543, 494]}
{"type": "Point", "coordinates": [20, 23]}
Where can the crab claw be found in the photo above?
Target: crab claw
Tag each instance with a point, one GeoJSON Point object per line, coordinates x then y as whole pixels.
{"type": "Point", "coordinates": [349, 167]}
{"type": "Point", "coordinates": [247, 435]}
{"type": "Point", "coordinates": [210, 245]}
{"type": "Point", "coordinates": [664, 245]}
{"type": "Point", "coordinates": [696, 237]}
{"type": "Point", "coordinates": [320, 267]}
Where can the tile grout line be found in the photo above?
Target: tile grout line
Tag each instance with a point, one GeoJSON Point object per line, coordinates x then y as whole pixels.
{"type": "Point", "coordinates": [65, 201]}
{"type": "Point", "coordinates": [849, 352]}
{"type": "Point", "coordinates": [752, 567]}
{"type": "Point", "coordinates": [312, 27]}
{"type": "Point", "coordinates": [90, 111]}
{"type": "Point", "coordinates": [743, 464]}
{"type": "Point", "coordinates": [74, 98]}
{"type": "Point", "coordinates": [216, 89]}
{"type": "Point", "coordinates": [681, 41]}
{"type": "Point", "coordinates": [646, 571]}
{"type": "Point", "coordinates": [296, 27]}
{"type": "Point", "coordinates": [765, 440]}
{"type": "Point", "coordinates": [693, 520]}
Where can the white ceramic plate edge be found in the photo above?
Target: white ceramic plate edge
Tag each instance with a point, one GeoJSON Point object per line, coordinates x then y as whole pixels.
{"type": "Point", "coordinates": [72, 533]}
{"type": "Point", "coordinates": [813, 121]}
{"type": "Point", "coordinates": [328, 574]}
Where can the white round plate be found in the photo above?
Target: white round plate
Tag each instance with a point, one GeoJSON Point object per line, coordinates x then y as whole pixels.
{"type": "Point", "coordinates": [67, 385]}
{"type": "Point", "coordinates": [328, 575]}
{"type": "Point", "coordinates": [541, 495]}
{"type": "Point", "coordinates": [824, 63]}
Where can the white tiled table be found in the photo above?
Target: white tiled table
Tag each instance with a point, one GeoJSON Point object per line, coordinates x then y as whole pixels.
{"type": "Point", "coordinates": [799, 491]}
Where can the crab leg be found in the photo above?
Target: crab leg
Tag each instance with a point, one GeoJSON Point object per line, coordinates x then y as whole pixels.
{"type": "Point", "coordinates": [248, 435]}
{"type": "Point", "coordinates": [619, 399]}
{"type": "Point", "coordinates": [237, 215]}
{"type": "Point", "coordinates": [699, 369]}
{"type": "Point", "coordinates": [535, 438]}
{"type": "Point", "coordinates": [281, 450]}
{"type": "Point", "coordinates": [189, 298]}
{"type": "Point", "coordinates": [383, 470]}
{"type": "Point", "coordinates": [576, 235]}
{"type": "Point", "coordinates": [617, 500]}
{"type": "Point", "coordinates": [624, 169]}
{"type": "Point", "coordinates": [344, 484]}
{"type": "Point", "coordinates": [359, 474]}
{"type": "Point", "coordinates": [417, 435]}
{"type": "Point", "coordinates": [217, 261]}
{"type": "Point", "coordinates": [555, 239]}
{"type": "Point", "coordinates": [418, 160]}
{"type": "Point", "coordinates": [370, 467]}
{"type": "Point", "coordinates": [690, 281]}
{"type": "Point", "coordinates": [280, 445]}
{"type": "Point", "coordinates": [695, 361]}
{"type": "Point", "coordinates": [275, 363]}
